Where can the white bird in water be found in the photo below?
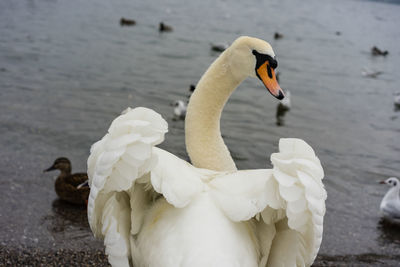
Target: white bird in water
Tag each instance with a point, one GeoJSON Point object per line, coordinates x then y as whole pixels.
{"type": "Point", "coordinates": [371, 73]}
{"type": "Point", "coordinates": [179, 109]}
{"type": "Point", "coordinates": [397, 100]}
{"type": "Point", "coordinates": [155, 209]}
{"type": "Point", "coordinates": [390, 205]}
{"type": "Point", "coordinates": [286, 102]}
{"type": "Point", "coordinates": [283, 107]}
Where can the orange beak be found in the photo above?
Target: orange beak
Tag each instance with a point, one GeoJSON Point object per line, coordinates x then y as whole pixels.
{"type": "Point", "coordinates": [267, 75]}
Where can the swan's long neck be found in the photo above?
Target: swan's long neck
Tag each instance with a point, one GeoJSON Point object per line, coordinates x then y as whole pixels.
{"type": "Point", "coordinates": [204, 142]}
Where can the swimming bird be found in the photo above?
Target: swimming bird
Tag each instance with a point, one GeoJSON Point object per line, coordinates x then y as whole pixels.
{"type": "Point", "coordinates": [155, 209]}
{"type": "Point", "coordinates": [390, 205]}
{"type": "Point", "coordinates": [164, 28]}
{"type": "Point", "coordinates": [371, 73]}
{"type": "Point", "coordinates": [278, 36]}
{"type": "Point", "coordinates": [287, 102]}
{"type": "Point", "coordinates": [375, 51]}
{"type": "Point", "coordinates": [127, 22]}
{"type": "Point", "coordinates": [179, 109]}
{"type": "Point", "coordinates": [283, 107]}
{"type": "Point", "coordinates": [70, 187]}
{"type": "Point", "coordinates": [397, 100]}
{"type": "Point", "coordinates": [219, 47]}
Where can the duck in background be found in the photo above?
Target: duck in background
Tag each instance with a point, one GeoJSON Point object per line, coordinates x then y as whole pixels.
{"type": "Point", "coordinates": [375, 51]}
{"type": "Point", "coordinates": [278, 36]}
{"type": "Point", "coordinates": [126, 22]}
{"type": "Point", "coordinates": [390, 205]}
{"type": "Point", "coordinates": [72, 188]}
{"type": "Point", "coordinates": [192, 88]}
{"type": "Point", "coordinates": [219, 47]}
{"type": "Point", "coordinates": [164, 28]}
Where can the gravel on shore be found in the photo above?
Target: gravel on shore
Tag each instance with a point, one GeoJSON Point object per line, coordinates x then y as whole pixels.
{"type": "Point", "coordinates": [17, 256]}
{"type": "Point", "coordinates": [10, 256]}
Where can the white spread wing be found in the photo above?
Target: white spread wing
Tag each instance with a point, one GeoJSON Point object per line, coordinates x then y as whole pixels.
{"type": "Point", "coordinates": [287, 204]}
{"type": "Point", "coordinates": [174, 178]}
{"type": "Point", "coordinates": [121, 158]}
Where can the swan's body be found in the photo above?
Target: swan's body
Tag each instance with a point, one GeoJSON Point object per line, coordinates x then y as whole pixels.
{"type": "Point", "coordinates": [390, 205]}
{"type": "Point", "coordinates": [154, 209]}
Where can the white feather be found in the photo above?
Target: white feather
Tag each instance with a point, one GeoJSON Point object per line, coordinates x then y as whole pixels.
{"type": "Point", "coordinates": [119, 210]}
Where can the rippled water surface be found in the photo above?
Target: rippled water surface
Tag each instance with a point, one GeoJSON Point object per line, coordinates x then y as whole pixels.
{"type": "Point", "coordinates": [67, 69]}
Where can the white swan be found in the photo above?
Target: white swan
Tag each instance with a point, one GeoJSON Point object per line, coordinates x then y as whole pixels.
{"type": "Point", "coordinates": [390, 205]}
{"type": "Point", "coordinates": [154, 209]}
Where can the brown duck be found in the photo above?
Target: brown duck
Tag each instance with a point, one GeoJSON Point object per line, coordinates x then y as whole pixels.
{"type": "Point", "coordinates": [127, 22]}
{"type": "Point", "coordinates": [164, 27]}
{"type": "Point", "coordinates": [72, 188]}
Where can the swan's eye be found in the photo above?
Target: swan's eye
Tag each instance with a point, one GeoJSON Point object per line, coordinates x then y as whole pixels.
{"type": "Point", "coordinates": [262, 58]}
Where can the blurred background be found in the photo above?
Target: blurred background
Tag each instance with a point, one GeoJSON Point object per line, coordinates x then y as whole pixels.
{"type": "Point", "coordinates": [67, 68]}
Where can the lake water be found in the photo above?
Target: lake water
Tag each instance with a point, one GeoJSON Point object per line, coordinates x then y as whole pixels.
{"type": "Point", "coordinates": [67, 68]}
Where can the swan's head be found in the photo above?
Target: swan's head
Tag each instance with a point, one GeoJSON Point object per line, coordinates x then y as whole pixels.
{"type": "Point", "coordinates": [392, 181]}
{"type": "Point", "coordinates": [255, 58]}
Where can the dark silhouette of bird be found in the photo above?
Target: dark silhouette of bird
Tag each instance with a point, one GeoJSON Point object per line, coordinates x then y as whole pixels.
{"type": "Point", "coordinates": [72, 188]}
{"type": "Point", "coordinates": [164, 28]}
{"type": "Point", "coordinates": [127, 22]}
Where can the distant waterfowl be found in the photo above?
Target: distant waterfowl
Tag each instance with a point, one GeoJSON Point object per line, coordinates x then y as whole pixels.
{"type": "Point", "coordinates": [390, 205]}
{"type": "Point", "coordinates": [370, 73]}
{"type": "Point", "coordinates": [286, 102]}
{"type": "Point", "coordinates": [127, 22]}
{"type": "Point", "coordinates": [70, 187]}
{"type": "Point", "coordinates": [219, 47]}
{"type": "Point", "coordinates": [192, 88]}
{"type": "Point", "coordinates": [338, 33]}
{"type": "Point", "coordinates": [397, 99]}
{"type": "Point", "coordinates": [283, 107]}
{"type": "Point", "coordinates": [155, 209]}
{"type": "Point", "coordinates": [179, 109]}
{"type": "Point", "coordinates": [378, 52]}
{"type": "Point", "coordinates": [164, 28]}
{"type": "Point", "coordinates": [278, 36]}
